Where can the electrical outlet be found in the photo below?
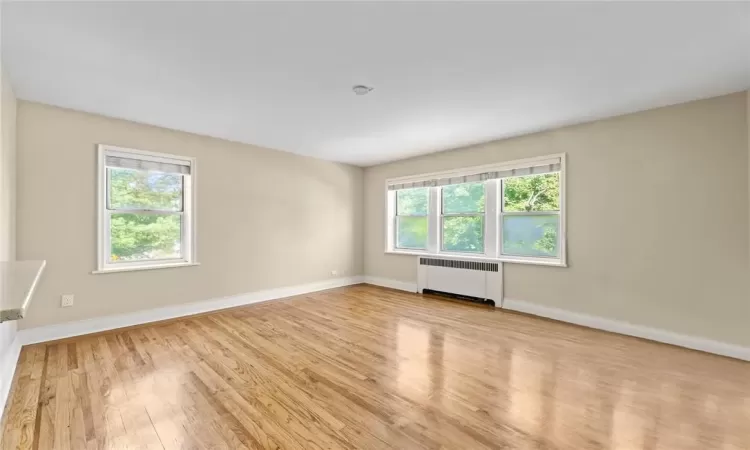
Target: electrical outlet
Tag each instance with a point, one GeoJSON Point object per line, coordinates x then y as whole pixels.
{"type": "Point", "coordinates": [67, 300]}
{"type": "Point", "coordinates": [334, 272]}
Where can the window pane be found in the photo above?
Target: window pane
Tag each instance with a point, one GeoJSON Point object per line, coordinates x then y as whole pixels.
{"type": "Point", "coordinates": [411, 202]}
{"type": "Point", "coordinates": [463, 198]}
{"type": "Point", "coordinates": [463, 234]}
{"type": "Point", "coordinates": [136, 237]}
{"type": "Point", "coordinates": [532, 193]}
{"type": "Point", "coordinates": [411, 232]}
{"type": "Point", "coordinates": [530, 235]}
{"type": "Point", "coordinates": [140, 189]}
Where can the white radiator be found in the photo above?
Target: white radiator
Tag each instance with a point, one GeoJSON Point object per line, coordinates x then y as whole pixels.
{"type": "Point", "coordinates": [476, 279]}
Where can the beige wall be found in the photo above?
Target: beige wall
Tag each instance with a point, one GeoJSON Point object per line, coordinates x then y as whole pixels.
{"type": "Point", "coordinates": [266, 218]}
{"type": "Point", "coordinates": [8, 174]}
{"type": "Point", "coordinates": [657, 218]}
{"type": "Point", "coordinates": [671, 185]}
{"type": "Point", "coordinates": [7, 217]}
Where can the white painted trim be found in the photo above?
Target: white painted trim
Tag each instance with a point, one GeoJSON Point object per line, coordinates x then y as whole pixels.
{"type": "Point", "coordinates": [8, 363]}
{"type": "Point", "coordinates": [146, 267]}
{"type": "Point", "coordinates": [393, 284]}
{"type": "Point", "coordinates": [82, 327]}
{"type": "Point", "coordinates": [626, 328]}
{"type": "Point", "coordinates": [562, 241]}
{"type": "Point", "coordinates": [434, 227]}
{"type": "Point", "coordinates": [492, 197]}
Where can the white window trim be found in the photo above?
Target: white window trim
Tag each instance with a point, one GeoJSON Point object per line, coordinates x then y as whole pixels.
{"type": "Point", "coordinates": [493, 215]}
{"type": "Point", "coordinates": [189, 230]}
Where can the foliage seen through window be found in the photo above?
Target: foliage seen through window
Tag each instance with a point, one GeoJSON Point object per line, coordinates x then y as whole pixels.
{"type": "Point", "coordinates": [463, 217]}
{"type": "Point", "coordinates": [531, 234]}
{"type": "Point", "coordinates": [152, 230]}
{"type": "Point", "coordinates": [412, 206]}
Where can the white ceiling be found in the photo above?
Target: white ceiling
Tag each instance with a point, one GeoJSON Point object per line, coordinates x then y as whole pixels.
{"type": "Point", "coordinates": [279, 75]}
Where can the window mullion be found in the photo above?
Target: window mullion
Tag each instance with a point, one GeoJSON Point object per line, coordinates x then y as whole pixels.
{"type": "Point", "coordinates": [108, 184]}
{"type": "Point", "coordinates": [500, 217]}
{"type": "Point", "coordinates": [392, 223]}
{"type": "Point", "coordinates": [491, 208]}
{"type": "Point", "coordinates": [433, 220]}
{"type": "Point", "coordinates": [532, 213]}
{"type": "Point", "coordinates": [153, 212]}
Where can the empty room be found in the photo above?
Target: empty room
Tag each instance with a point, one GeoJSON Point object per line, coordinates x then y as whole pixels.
{"type": "Point", "coordinates": [375, 225]}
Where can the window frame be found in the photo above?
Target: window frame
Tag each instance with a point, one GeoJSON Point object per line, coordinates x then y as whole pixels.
{"type": "Point", "coordinates": [187, 222]}
{"type": "Point", "coordinates": [502, 213]}
{"type": "Point", "coordinates": [443, 215]}
{"type": "Point", "coordinates": [493, 215]}
{"type": "Point", "coordinates": [395, 223]}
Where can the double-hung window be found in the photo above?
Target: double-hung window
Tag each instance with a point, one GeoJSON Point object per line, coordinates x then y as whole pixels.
{"type": "Point", "coordinates": [511, 211]}
{"type": "Point", "coordinates": [145, 210]}
{"type": "Point", "coordinates": [412, 206]}
{"type": "Point", "coordinates": [462, 218]}
{"type": "Point", "coordinates": [531, 216]}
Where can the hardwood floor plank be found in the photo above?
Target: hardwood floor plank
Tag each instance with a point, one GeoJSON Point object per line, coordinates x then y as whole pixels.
{"type": "Point", "coordinates": [371, 368]}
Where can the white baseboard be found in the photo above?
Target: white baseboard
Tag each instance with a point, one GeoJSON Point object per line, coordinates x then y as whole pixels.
{"type": "Point", "coordinates": [616, 326]}
{"type": "Point", "coordinates": [71, 329]}
{"type": "Point", "coordinates": [393, 284]}
{"type": "Point", "coordinates": [600, 323]}
{"type": "Point", "coordinates": [8, 362]}
{"type": "Point", "coordinates": [82, 327]}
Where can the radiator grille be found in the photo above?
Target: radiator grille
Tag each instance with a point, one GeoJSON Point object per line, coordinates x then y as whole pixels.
{"type": "Point", "coordinates": [457, 264]}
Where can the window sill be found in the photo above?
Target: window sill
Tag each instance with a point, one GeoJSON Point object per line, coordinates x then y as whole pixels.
{"type": "Point", "coordinates": [504, 259]}
{"type": "Point", "coordinates": [149, 267]}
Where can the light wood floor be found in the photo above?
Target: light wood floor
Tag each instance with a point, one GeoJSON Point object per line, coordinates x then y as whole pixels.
{"type": "Point", "coordinates": [370, 368]}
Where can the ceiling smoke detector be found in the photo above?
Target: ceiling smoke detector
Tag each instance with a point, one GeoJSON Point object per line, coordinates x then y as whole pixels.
{"type": "Point", "coordinates": [361, 89]}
